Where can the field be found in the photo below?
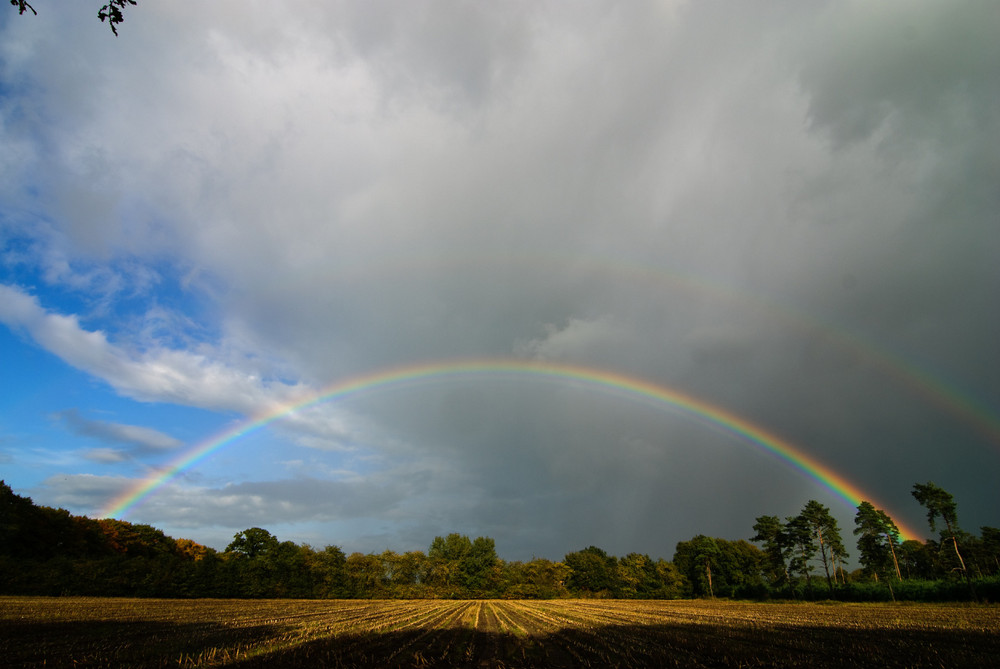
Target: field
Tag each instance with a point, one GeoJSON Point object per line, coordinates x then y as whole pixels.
{"type": "Point", "coordinates": [63, 632]}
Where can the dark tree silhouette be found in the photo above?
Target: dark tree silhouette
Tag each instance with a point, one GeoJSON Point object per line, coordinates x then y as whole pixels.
{"type": "Point", "coordinates": [111, 12]}
{"type": "Point", "coordinates": [23, 6]}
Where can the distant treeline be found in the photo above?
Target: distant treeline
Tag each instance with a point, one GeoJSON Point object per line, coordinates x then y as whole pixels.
{"type": "Point", "coordinates": [46, 551]}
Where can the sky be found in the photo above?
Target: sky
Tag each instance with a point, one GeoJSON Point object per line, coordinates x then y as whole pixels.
{"type": "Point", "coordinates": [784, 212]}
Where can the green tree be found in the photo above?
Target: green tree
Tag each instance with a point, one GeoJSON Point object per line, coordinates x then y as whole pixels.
{"type": "Point", "coordinates": [251, 563]}
{"type": "Point", "coordinates": [940, 503]}
{"type": "Point", "coordinates": [670, 578]}
{"type": "Point", "coordinates": [22, 533]}
{"type": "Point", "coordinates": [976, 555]}
{"type": "Point", "coordinates": [538, 579]}
{"type": "Point", "coordinates": [252, 543]}
{"type": "Point", "coordinates": [991, 547]}
{"type": "Point", "coordinates": [770, 531]}
{"type": "Point", "coordinates": [823, 531]}
{"type": "Point", "coordinates": [592, 571]}
{"type": "Point", "coordinates": [878, 537]}
{"type": "Point", "coordinates": [405, 572]}
{"type": "Point", "coordinates": [839, 554]}
{"type": "Point", "coordinates": [366, 575]}
{"type": "Point", "coordinates": [640, 578]}
{"type": "Point", "coordinates": [803, 549]}
{"type": "Point", "coordinates": [456, 561]}
{"type": "Point", "coordinates": [696, 559]}
{"type": "Point", "coordinates": [287, 566]}
{"type": "Point", "coordinates": [207, 577]}
{"type": "Point", "coordinates": [740, 564]}
{"type": "Point", "coordinates": [446, 555]}
{"type": "Point", "coordinates": [330, 567]}
{"type": "Point", "coordinates": [479, 568]}
{"type": "Point", "coordinates": [916, 560]}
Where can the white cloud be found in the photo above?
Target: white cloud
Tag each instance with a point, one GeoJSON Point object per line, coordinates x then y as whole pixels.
{"type": "Point", "coordinates": [135, 436]}
{"type": "Point", "coordinates": [85, 492]}
{"type": "Point", "coordinates": [238, 505]}
{"type": "Point", "coordinates": [164, 375]}
{"type": "Point", "coordinates": [105, 455]}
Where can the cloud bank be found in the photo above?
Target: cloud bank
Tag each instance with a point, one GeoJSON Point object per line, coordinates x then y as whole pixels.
{"type": "Point", "coordinates": [787, 210]}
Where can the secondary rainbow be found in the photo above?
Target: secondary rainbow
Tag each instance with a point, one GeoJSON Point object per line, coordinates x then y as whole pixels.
{"type": "Point", "coordinates": [943, 395]}
{"type": "Point", "coordinates": [609, 381]}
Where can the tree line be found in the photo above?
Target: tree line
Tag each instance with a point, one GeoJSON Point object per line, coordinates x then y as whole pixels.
{"type": "Point", "coordinates": [803, 557]}
{"type": "Point", "coordinates": [46, 551]}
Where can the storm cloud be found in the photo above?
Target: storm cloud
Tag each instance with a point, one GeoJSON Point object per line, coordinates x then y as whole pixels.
{"type": "Point", "coordinates": [786, 210]}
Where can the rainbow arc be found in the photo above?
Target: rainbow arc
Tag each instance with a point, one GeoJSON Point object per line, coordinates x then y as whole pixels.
{"type": "Point", "coordinates": [622, 385]}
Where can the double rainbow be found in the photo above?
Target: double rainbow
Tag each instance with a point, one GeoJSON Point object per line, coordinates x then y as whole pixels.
{"type": "Point", "coordinates": [627, 386]}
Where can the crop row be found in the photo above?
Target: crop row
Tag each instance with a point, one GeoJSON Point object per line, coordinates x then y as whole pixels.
{"type": "Point", "coordinates": [499, 633]}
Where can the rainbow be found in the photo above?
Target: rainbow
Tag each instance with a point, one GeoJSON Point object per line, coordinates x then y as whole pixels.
{"type": "Point", "coordinates": [915, 379]}
{"type": "Point", "coordinates": [628, 386]}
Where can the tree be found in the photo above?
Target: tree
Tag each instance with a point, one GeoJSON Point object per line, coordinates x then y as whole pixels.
{"type": "Point", "coordinates": [23, 6]}
{"type": "Point", "coordinates": [111, 12]}
{"type": "Point", "coordinates": [713, 566]}
{"type": "Point", "coordinates": [19, 525]}
{"type": "Point", "coordinates": [695, 559]}
{"type": "Point", "coordinates": [192, 550]}
{"type": "Point", "coordinates": [639, 576]}
{"type": "Point", "coordinates": [456, 560]}
{"type": "Point", "coordinates": [592, 571]}
{"type": "Point", "coordinates": [330, 566]}
{"type": "Point", "coordinates": [878, 537]}
{"type": "Point", "coordinates": [705, 550]}
{"type": "Point", "coordinates": [538, 579]}
{"type": "Point", "coordinates": [252, 543]}
{"type": "Point", "coordinates": [823, 531]}
{"type": "Point", "coordinates": [287, 566]}
{"type": "Point", "coordinates": [800, 538]}
{"type": "Point", "coordinates": [479, 567]}
{"type": "Point", "coordinates": [778, 545]}
{"type": "Point", "coordinates": [940, 503]}
{"type": "Point", "coordinates": [404, 571]}
{"type": "Point", "coordinates": [136, 540]}
{"type": "Point", "coordinates": [670, 578]}
{"type": "Point", "coordinates": [838, 553]}
{"type": "Point", "coordinates": [977, 557]}
{"type": "Point", "coordinates": [366, 575]}
{"type": "Point", "coordinates": [916, 560]}
{"type": "Point", "coordinates": [991, 547]}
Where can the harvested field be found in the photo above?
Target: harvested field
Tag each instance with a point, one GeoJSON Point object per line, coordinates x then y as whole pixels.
{"type": "Point", "coordinates": [63, 632]}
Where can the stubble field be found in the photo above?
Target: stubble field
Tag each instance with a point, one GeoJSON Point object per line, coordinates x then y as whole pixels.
{"type": "Point", "coordinates": [63, 632]}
